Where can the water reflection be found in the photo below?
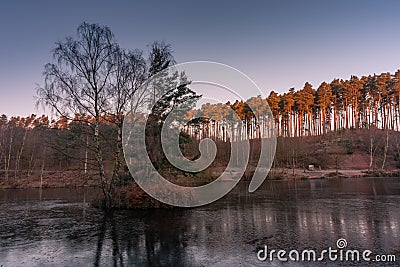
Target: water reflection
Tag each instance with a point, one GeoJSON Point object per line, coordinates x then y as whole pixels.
{"type": "Point", "coordinates": [142, 239]}
{"type": "Point", "coordinates": [108, 224]}
{"type": "Point", "coordinates": [282, 215]}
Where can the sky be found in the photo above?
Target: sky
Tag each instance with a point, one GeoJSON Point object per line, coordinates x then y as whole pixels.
{"type": "Point", "coordinates": [278, 44]}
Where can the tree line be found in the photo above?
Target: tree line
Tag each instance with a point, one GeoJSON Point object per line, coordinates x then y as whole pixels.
{"type": "Point", "coordinates": [356, 103]}
{"type": "Point", "coordinates": [33, 144]}
{"type": "Point", "coordinates": [369, 101]}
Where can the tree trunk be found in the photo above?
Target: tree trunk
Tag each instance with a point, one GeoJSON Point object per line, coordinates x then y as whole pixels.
{"type": "Point", "coordinates": [30, 164]}
{"type": "Point", "coordinates": [386, 149]}
{"type": "Point", "coordinates": [117, 162]}
{"type": "Point", "coordinates": [19, 154]}
{"type": "Point", "coordinates": [86, 154]}
{"type": "Point", "coordinates": [8, 159]}
{"type": "Point", "coordinates": [371, 152]}
{"type": "Point", "coordinates": [100, 165]}
{"type": "Point", "coordinates": [42, 168]}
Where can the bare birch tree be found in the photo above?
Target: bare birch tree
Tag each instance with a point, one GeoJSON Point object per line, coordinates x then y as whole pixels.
{"type": "Point", "coordinates": [93, 76]}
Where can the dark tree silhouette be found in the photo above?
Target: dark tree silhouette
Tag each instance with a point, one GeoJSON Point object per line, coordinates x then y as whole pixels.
{"type": "Point", "coordinates": [94, 77]}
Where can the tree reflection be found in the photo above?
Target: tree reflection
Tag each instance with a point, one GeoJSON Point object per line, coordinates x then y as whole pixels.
{"type": "Point", "coordinates": [146, 240]}
{"type": "Point", "coordinates": [109, 224]}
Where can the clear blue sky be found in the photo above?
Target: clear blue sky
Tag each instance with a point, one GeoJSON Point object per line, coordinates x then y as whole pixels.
{"type": "Point", "coordinates": [279, 44]}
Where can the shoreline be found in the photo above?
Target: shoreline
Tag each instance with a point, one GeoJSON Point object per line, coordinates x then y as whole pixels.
{"type": "Point", "coordinates": [74, 179]}
{"type": "Point", "coordinates": [284, 174]}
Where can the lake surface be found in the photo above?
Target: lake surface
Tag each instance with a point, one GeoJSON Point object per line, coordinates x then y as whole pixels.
{"type": "Point", "coordinates": [57, 227]}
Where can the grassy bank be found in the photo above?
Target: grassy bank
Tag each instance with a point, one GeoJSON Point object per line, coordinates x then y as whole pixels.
{"type": "Point", "coordinates": [50, 179]}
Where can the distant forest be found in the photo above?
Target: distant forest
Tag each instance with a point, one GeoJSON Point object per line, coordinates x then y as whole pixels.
{"type": "Point", "coordinates": [368, 102]}
{"type": "Point", "coordinates": [372, 102]}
